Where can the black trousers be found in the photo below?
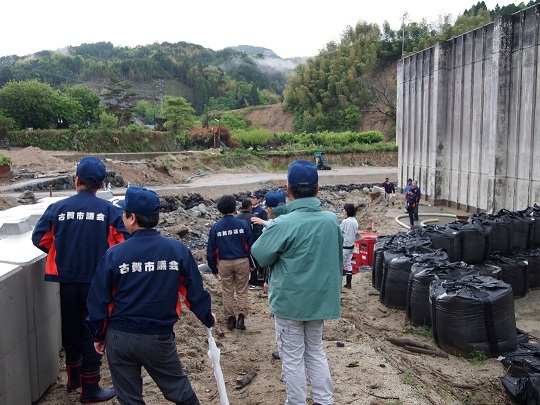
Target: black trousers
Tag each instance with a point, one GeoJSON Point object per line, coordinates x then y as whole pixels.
{"type": "Point", "coordinates": [76, 339]}
{"type": "Point", "coordinates": [410, 210]}
{"type": "Point", "coordinates": [129, 352]}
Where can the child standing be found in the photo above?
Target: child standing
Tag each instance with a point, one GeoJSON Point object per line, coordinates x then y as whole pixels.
{"type": "Point", "coordinates": [349, 228]}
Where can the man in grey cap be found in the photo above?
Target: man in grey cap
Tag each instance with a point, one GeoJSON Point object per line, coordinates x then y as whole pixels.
{"type": "Point", "coordinates": [304, 248]}
{"type": "Point", "coordinates": [76, 232]}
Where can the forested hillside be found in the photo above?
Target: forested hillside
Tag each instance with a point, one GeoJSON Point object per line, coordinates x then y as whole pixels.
{"type": "Point", "coordinates": [227, 79]}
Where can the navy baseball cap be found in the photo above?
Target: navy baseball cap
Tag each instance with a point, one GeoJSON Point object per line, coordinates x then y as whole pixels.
{"type": "Point", "coordinates": [273, 198]}
{"type": "Point", "coordinates": [91, 170]}
{"type": "Point", "coordinates": [302, 174]}
{"type": "Point", "coordinates": [140, 201]}
{"type": "Point", "coordinates": [256, 194]}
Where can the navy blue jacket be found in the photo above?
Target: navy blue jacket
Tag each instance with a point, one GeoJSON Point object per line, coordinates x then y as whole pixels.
{"type": "Point", "coordinates": [138, 283]}
{"type": "Point", "coordinates": [76, 232]}
{"type": "Point", "coordinates": [416, 191]}
{"type": "Point", "coordinates": [389, 187]}
{"type": "Point", "coordinates": [261, 213]}
{"type": "Point", "coordinates": [412, 200]}
{"type": "Point", "coordinates": [229, 238]}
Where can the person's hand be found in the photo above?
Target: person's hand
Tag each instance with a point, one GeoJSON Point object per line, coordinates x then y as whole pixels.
{"type": "Point", "coordinates": [265, 288]}
{"type": "Point", "coordinates": [100, 347]}
{"type": "Point", "coordinates": [257, 220]}
{"type": "Point", "coordinates": [216, 275]}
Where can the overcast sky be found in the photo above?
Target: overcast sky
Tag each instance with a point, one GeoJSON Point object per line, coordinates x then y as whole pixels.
{"type": "Point", "coordinates": [288, 27]}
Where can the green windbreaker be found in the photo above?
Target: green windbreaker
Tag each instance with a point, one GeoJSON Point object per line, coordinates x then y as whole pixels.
{"type": "Point", "coordinates": [304, 250]}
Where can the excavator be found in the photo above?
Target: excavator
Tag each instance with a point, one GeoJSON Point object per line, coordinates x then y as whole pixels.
{"type": "Point", "coordinates": [320, 161]}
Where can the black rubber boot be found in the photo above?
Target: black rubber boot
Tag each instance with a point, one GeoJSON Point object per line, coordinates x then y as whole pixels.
{"type": "Point", "coordinates": [193, 400]}
{"type": "Point", "coordinates": [240, 324]}
{"type": "Point", "coordinates": [91, 391]}
{"type": "Point", "coordinates": [348, 279]}
{"type": "Point", "coordinates": [73, 376]}
{"type": "Point", "coordinates": [231, 323]}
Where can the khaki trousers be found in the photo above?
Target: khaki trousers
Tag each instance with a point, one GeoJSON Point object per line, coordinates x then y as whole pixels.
{"type": "Point", "coordinates": [234, 279]}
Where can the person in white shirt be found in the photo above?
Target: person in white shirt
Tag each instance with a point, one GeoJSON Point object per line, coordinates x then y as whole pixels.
{"type": "Point", "coordinates": [349, 228]}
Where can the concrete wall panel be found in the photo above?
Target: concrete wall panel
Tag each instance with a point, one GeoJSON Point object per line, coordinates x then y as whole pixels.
{"type": "Point", "coordinates": [30, 337]}
{"type": "Point", "coordinates": [14, 376]}
{"type": "Point", "coordinates": [43, 319]}
{"type": "Point", "coordinates": [476, 111]}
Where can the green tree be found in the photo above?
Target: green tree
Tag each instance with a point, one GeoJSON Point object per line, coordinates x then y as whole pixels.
{"type": "Point", "coordinates": [29, 104]}
{"type": "Point", "coordinates": [329, 91]}
{"type": "Point", "coordinates": [68, 111]}
{"type": "Point", "coordinates": [178, 114]}
{"type": "Point", "coordinates": [147, 111]}
{"type": "Point", "coordinates": [107, 121]}
{"type": "Point", "coordinates": [89, 101]}
{"type": "Point", "coordinates": [6, 124]}
{"type": "Point", "coordinates": [253, 97]}
{"type": "Point", "coordinates": [119, 96]}
{"type": "Point", "coordinates": [6, 75]}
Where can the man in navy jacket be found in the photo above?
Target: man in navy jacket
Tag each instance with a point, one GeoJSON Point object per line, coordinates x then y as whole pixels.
{"type": "Point", "coordinates": [227, 253]}
{"type": "Point", "coordinates": [76, 232]}
{"type": "Point", "coordinates": [134, 303]}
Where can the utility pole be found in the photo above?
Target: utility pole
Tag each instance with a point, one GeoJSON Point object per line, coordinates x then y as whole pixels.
{"type": "Point", "coordinates": [219, 134]}
{"type": "Point", "coordinates": [159, 90]}
{"type": "Point", "coordinates": [403, 17]}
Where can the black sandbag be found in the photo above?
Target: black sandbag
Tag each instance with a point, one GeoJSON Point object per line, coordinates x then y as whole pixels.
{"type": "Point", "coordinates": [488, 269]}
{"type": "Point", "coordinates": [473, 240]}
{"type": "Point", "coordinates": [524, 390]}
{"type": "Point", "coordinates": [418, 308]}
{"type": "Point", "coordinates": [445, 238]}
{"type": "Point", "coordinates": [499, 237]}
{"type": "Point", "coordinates": [475, 313]}
{"type": "Point", "coordinates": [389, 255]}
{"type": "Point", "coordinates": [377, 266]}
{"type": "Point", "coordinates": [532, 257]}
{"type": "Point", "coordinates": [522, 336]}
{"type": "Point", "coordinates": [514, 272]}
{"type": "Point", "coordinates": [521, 235]}
{"type": "Point", "coordinates": [523, 361]}
{"type": "Point", "coordinates": [534, 212]}
{"type": "Point", "coordinates": [393, 292]}
{"type": "Point", "coordinates": [416, 242]}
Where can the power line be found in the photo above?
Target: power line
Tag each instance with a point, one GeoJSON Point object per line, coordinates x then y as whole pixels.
{"type": "Point", "coordinates": [73, 79]}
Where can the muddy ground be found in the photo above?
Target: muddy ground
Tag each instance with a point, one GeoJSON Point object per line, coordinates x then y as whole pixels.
{"type": "Point", "coordinates": [366, 369]}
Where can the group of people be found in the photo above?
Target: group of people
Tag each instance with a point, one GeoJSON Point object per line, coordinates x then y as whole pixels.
{"type": "Point", "coordinates": [412, 197]}
{"type": "Point", "coordinates": [121, 281]}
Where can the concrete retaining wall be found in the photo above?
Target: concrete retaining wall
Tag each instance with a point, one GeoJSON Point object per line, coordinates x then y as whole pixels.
{"type": "Point", "coordinates": [466, 117]}
{"type": "Point", "coordinates": [30, 337]}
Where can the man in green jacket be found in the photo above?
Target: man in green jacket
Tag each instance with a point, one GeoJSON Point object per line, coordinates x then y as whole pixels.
{"type": "Point", "coordinates": [304, 249]}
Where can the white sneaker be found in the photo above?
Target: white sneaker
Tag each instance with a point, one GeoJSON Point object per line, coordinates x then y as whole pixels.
{"type": "Point", "coordinates": [255, 287]}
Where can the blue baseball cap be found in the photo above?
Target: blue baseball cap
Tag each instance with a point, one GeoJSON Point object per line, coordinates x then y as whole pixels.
{"type": "Point", "coordinates": [140, 201]}
{"type": "Point", "coordinates": [273, 198]}
{"type": "Point", "coordinates": [91, 170]}
{"type": "Point", "coordinates": [256, 194]}
{"type": "Point", "coordinates": [302, 174]}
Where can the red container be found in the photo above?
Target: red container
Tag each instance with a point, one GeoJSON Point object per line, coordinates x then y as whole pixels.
{"type": "Point", "coordinates": [363, 250]}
